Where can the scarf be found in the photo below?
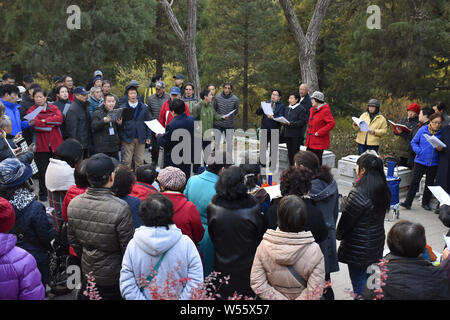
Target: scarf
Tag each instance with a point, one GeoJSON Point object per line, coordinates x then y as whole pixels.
{"type": "Point", "coordinates": [22, 198]}
{"type": "Point", "coordinates": [432, 132]}
{"type": "Point", "coordinates": [294, 106]}
{"type": "Point", "coordinates": [227, 96]}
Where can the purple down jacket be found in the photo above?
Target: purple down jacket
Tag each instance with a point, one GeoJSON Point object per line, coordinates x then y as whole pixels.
{"type": "Point", "coordinates": [20, 278]}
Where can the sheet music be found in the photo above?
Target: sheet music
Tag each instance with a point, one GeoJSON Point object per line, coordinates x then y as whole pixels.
{"type": "Point", "coordinates": [364, 126]}
{"type": "Point", "coordinates": [33, 114]}
{"type": "Point", "coordinates": [267, 108]}
{"type": "Point", "coordinates": [156, 127]}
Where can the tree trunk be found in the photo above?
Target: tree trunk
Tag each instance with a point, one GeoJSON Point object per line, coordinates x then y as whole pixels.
{"type": "Point", "coordinates": [307, 44]}
{"type": "Point", "coordinates": [187, 39]}
{"type": "Point", "coordinates": [160, 41]}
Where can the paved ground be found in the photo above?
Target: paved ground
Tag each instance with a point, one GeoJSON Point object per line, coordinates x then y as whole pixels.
{"type": "Point", "coordinates": [435, 231]}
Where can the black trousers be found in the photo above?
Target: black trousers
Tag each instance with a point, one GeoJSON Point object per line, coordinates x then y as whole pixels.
{"type": "Point", "coordinates": [293, 146]}
{"type": "Point", "coordinates": [418, 171]}
{"type": "Point", "coordinates": [42, 160]}
{"type": "Point", "coordinates": [318, 153]}
{"type": "Point", "coordinates": [155, 149]}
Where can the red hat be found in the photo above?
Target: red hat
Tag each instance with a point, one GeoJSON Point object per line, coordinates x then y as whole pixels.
{"type": "Point", "coordinates": [414, 107]}
{"type": "Point", "coordinates": [7, 216]}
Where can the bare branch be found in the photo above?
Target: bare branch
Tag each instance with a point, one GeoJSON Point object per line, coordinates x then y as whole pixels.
{"type": "Point", "coordinates": [173, 20]}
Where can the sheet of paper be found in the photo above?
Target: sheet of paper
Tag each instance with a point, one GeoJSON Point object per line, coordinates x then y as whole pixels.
{"type": "Point", "coordinates": [229, 114]}
{"type": "Point", "coordinates": [274, 192]}
{"type": "Point", "coordinates": [66, 109]}
{"type": "Point", "coordinates": [364, 126]}
{"type": "Point", "coordinates": [447, 241]}
{"type": "Point", "coordinates": [441, 195]}
{"type": "Point", "coordinates": [435, 142]}
{"type": "Point", "coordinates": [33, 114]}
{"type": "Point", "coordinates": [281, 120]}
{"type": "Point", "coordinates": [156, 127]}
{"type": "Point", "coordinates": [267, 108]}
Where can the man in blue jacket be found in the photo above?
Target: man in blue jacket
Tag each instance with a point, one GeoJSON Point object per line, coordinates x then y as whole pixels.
{"type": "Point", "coordinates": [180, 122]}
{"type": "Point", "coordinates": [135, 134]}
{"type": "Point", "coordinates": [305, 102]}
{"type": "Point", "coordinates": [9, 95]}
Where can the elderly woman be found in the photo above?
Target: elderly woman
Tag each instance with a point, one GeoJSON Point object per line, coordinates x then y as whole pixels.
{"type": "Point", "coordinates": [409, 275]}
{"type": "Point", "coordinates": [403, 138]}
{"type": "Point", "coordinates": [294, 132]}
{"type": "Point", "coordinates": [48, 136]}
{"type": "Point", "coordinates": [32, 227]}
{"type": "Point", "coordinates": [426, 161]}
{"type": "Point", "coordinates": [370, 140]}
{"type": "Point", "coordinates": [159, 252]}
{"type": "Point", "coordinates": [95, 99]}
{"type": "Point", "coordinates": [172, 182]}
{"type": "Point", "coordinates": [321, 122]}
{"type": "Point", "coordinates": [236, 228]}
{"type": "Point", "coordinates": [287, 254]}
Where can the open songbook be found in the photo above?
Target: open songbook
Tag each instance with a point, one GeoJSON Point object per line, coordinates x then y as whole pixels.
{"type": "Point", "coordinates": [399, 126]}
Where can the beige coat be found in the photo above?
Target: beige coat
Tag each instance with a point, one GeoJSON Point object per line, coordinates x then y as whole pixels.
{"type": "Point", "coordinates": [270, 277]}
{"type": "Point", "coordinates": [379, 125]}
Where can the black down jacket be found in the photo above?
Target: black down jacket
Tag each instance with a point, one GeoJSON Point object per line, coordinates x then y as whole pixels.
{"type": "Point", "coordinates": [361, 231]}
{"type": "Point", "coordinates": [412, 279]}
{"type": "Point", "coordinates": [236, 230]}
{"type": "Point", "coordinates": [104, 141]}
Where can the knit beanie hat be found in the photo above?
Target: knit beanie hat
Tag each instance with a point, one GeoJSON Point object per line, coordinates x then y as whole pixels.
{"type": "Point", "coordinates": [172, 178]}
{"type": "Point", "coordinates": [14, 173]}
{"type": "Point", "coordinates": [414, 107]}
{"type": "Point", "coordinates": [7, 216]}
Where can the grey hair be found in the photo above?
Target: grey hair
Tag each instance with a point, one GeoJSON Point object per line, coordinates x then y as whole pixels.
{"type": "Point", "coordinates": [6, 122]}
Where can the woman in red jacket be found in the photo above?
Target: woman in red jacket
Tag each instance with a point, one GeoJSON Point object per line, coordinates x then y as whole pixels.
{"type": "Point", "coordinates": [186, 216]}
{"type": "Point", "coordinates": [48, 136]}
{"type": "Point", "coordinates": [321, 122]}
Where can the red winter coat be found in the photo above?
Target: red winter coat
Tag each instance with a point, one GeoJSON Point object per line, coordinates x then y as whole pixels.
{"type": "Point", "coordinates": [47, 132]}
{"type": "Point", "coordinates": [142, 191]}
{"type": "Point", "coordinates": [186, 216]}
{"type": "Point", "coordinates": [74, 191]}
{"type": "Point", "coordinates": [321, 121]}
{"type": "Point", "coordinates": [165, 116]}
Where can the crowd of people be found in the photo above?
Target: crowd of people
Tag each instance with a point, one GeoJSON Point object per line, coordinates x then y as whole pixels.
{"type": "Point", "coordinates": [411, 146]}
{"type": "Point", "coordinates": [135, 227]}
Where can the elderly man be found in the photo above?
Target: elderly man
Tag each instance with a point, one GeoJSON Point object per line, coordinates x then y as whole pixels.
{"type": "Point", "coordinates": [78, 122]}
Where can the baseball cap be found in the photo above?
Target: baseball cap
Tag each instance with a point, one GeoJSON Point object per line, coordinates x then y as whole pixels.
{"type": "Point", "coordinates": [134, 83]}
{"type": "Point", "coordinates": [160, 84]}
{"type": "Point", "coordinates": [175, 91]}
{"type": "Point", "coordinates": [99, 166]}
{"type": "Point", "coordinates": [57, 79]}
{"type": "Point", "coordinates": [80, 90]}
{"type": "Point", "coordinates": [98, 73]}
{"type": "Point", "coordinates": [179, 76]}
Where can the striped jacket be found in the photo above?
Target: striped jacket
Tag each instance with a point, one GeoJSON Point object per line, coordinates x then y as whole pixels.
{"type": "Point", "coordinates": [223, 106]}
{"type": "Point", "coordinates": [46, 126]}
